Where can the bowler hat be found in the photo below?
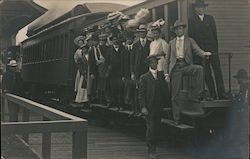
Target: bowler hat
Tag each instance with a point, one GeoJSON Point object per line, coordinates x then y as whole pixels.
{"type": "Point", "coordinates": [142, 28]}
{"type": "Point", "coordinates": [241, 74]}
{"type": "Point", "coordinates": [103, 36]}
{"type": "Point", "coordinates": [129, 35]}
{"type": "Point", "coordinates": [12, 63]}
{"type": "Point", "coordinates": [177, 24]}
{"type": "Point", "coordinates": [94, 37]}
{"type": "Point", "coordinates": [200, 3]}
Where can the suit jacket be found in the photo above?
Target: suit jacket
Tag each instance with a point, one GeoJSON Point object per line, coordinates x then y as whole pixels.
{"type": "Point", "coordinates": [190, 47]}
{"type": "Point", "coordinates": [114, 62]}
{"type": "Point", "coordinates": [138, 58]}
{"type": "Point", "coordinates": [147, 89]}
{"type": "Point", "coordinates": [126, 62]}
{"type": "Point", "coordinates": [204, 32]}
{"type": "Point", "coordinates": [92, 62]}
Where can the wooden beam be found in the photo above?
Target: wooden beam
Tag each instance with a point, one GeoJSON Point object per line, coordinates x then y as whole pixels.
{"type": "Point", "coordinates": [26, 115]}
{"type": "Point", "coordinates": [46, 143]}
{"type": "Point", "coordinates": [43, 126]}
{"type": "Point", "coordinates": [79, 145]}
{"type": "Point", "coordinates": [41, 109]}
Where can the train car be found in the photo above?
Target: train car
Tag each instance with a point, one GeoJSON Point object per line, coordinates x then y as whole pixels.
{"type": "Point", "coordinates": [48, 52]}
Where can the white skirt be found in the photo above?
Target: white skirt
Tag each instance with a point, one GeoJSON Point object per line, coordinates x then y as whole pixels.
{"type": "Point", "coordinates": [81, 93]}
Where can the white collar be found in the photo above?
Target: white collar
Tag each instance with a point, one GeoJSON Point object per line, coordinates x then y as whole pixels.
{"type": "Point", "coordinates": [180, 38]}
{"type": "Point", "coordinates": [143, 39]}
{"type": "Point", "coordinates": [201, 16]}
{"type": "Point", "coordinates": [153, 71]}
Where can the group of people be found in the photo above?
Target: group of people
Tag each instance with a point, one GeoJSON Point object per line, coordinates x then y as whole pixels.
{"type": "Point", "coordinates": [137, 69]}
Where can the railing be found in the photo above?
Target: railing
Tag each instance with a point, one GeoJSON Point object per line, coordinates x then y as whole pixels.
{"type": "Point", "coordinates": [53, 121]}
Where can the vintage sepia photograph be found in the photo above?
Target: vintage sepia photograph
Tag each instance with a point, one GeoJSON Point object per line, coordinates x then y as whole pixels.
{"type": "Point", "coordinates": [124, 79]}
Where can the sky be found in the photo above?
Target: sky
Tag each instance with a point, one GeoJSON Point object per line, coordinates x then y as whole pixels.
{"type": "Point", "coordinates": [50, 4]}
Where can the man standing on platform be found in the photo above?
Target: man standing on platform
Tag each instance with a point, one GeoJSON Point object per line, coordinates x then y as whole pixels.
{"type": "Point", "coordinates": [179, 62]}
{"type": "Point", "coordinates": [138, 63]}
{"type": "Point", "coordinates": [141, 51]}
{"type": "Point", "coordinates": [202, 28]}
{"type": "Point", "coordinates": [115, 74]}
{"type": "Point", "coordinates": [151, 98]}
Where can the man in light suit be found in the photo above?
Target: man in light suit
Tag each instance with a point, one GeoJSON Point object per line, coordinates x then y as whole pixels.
{"type": "Point", "coordinates": [152, 91]}
{"type": "Point", "coordinates": [179, 62]}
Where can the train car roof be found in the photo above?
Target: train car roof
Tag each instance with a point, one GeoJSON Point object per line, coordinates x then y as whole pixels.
{"type": "Point", "coordinates": [63, 22]}
{"type": "Point", "coordinates": [61, 13]}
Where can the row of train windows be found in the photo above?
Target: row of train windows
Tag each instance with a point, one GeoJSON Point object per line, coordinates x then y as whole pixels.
{"type": "Point", "coordinates": [54, 48]}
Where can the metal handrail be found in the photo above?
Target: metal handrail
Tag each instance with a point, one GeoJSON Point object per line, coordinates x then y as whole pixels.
{"type": "Point", "coordinates": [53, 121]}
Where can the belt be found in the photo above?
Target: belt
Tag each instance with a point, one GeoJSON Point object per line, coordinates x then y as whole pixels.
{"type": "Point", "coordinates": [180, 60]}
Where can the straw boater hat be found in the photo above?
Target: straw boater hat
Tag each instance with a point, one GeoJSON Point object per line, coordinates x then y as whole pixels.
{"type": "Point", "coordinates": [114, 15]}
{"type": "Point", "coordinates": [241, 74]}
{"type": "Point", "coordinates": [200, 3]}
{"type": "Point", "coordinates": [12, 63]}
{"type": "Point", "coordinates": [78, 38]}
{"type": "Point", "coordinates": [178, 23]}
{"type": "Point", "coordinates": [123, 17]}
{"type": "Point", "coordinates": [142, 28]}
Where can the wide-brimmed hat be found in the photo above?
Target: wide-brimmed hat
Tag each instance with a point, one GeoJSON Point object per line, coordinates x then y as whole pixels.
{"type": "Point", "coordinates": [142, 28]}
{"type": "Point", "coordinates": [200, 3]}
{"type": "Point", "coordinates": [241, 74]}
{"type": "Point", "coordinates": [178, 23]}
{"type": "Point", "coordinates": [12, 63]}
{"type": "Point", "coordinates": [154, 56]}
{"type": "Point", "coordinates": [79, 38]}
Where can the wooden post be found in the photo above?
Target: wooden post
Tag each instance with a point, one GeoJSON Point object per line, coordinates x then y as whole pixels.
{"type": "Point", "coordinates": [153, 14]}
{"type": "Point", "coordinates": [26, 115]}
{"type": "Point", "coordinates": [13, 111]}
{"type": "Point", "coordinates": [166, 22]}
{"type": "Point", "coordinates": [4, 104]}
{"type": "Point", "coordinates": [79, 145]}
{"type": "Point", "coordinates": [46, 143]}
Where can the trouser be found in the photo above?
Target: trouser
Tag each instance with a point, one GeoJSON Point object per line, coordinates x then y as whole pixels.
{"type": "Point", "coordinates": [180, 69]}
{"type": "Point", "coordinates": [153, 121]}
{"type": "Point", "coordinates": [115, 84]}
{"type": "Point", "coordinates": [213, 61]}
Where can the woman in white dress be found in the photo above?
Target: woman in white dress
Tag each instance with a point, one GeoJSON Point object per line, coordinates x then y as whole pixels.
{"type": "Point", "coordinates": [82, 76]}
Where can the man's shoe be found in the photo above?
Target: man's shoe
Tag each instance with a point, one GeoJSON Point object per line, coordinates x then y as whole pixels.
{"type": "Point", "coordinates": [152, 156]}
{"type": "Point", "coordinates": [195, 100]}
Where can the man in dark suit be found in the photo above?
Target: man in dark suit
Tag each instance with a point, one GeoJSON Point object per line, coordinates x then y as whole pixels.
{"type": "Point", "coordinates": [138, 64]}
{"type": "Point", "coordinates": [115, 73]}
{"type": "Point", "coordinates": [179, 62]}
{"type": "Point", "coordinates": [141, 51]}
{"type": "Point", "coordinates": [202, 28]}
{"type": "Point", "coordinates": [152, 90]}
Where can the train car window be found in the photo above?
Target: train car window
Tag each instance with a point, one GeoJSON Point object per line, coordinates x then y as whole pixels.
{"type": "Point", "coordinates": [32, 54]}
{"type": "Point", "coordinates": [159, 12]}
{"type": "Point", "coordinates": [66, 45]}
{"type": "Point", "coordinates": [46, 53]}
{"type": "Point", "coordinates": [57, 47]}
{"type": "Point", "coordinates": [61, 46]}
{"type": "Point", "coordinates": [53, 47]}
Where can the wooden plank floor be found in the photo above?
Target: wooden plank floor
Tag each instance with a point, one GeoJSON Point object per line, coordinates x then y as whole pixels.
{"type": "Point", "coordinates": [103, 143]}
